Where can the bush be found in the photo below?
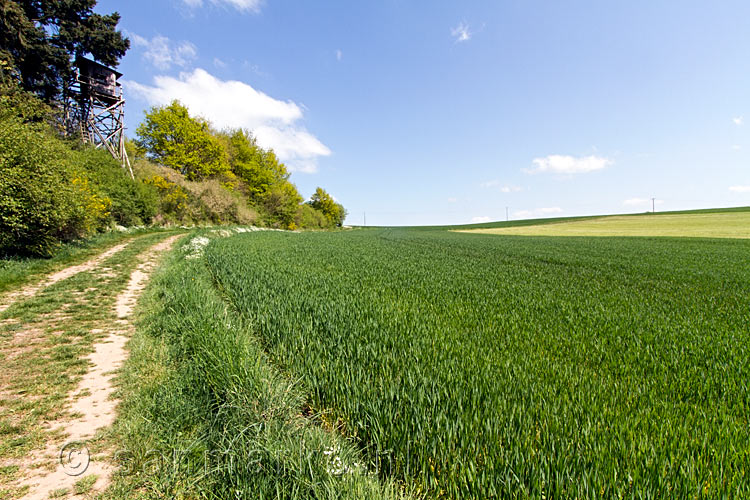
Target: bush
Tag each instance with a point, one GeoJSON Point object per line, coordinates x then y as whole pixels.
{"type": "Point", "coordinates": [220, 205]}
{"type": "Point", "coordinates": [309, 218]}
{"type": "Point", "coordinates": [186, 202]}
{"type": "Point", "coordinates": [44, 197]}
{"type": "Point", "coordinates": [132, 202]}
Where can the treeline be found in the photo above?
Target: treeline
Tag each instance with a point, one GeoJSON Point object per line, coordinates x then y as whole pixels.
{"type": "Point", "coordinates": [55, 189]}
{"type": "Point", "coordinates": [189, 145]}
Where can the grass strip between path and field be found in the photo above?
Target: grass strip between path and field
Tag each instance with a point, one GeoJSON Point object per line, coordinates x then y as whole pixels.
{"type": "Point", "coordinates": [205, 415]}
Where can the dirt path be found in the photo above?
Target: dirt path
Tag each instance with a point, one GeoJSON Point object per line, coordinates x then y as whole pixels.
{"type": "Point", "coordinates": [31, 290]}
{"type": "Point", "coordinates": [73, 470]}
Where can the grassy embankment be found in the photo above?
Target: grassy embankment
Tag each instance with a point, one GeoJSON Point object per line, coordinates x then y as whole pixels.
{"type": "Point", "coordinates": [205, 413]}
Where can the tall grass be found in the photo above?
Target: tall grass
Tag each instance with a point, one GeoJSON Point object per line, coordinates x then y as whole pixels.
{"type": "Point", "coordinates": [206, 416]}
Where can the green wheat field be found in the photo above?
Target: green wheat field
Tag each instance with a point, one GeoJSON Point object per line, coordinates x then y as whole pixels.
{"type": "Point", "coordinates": [481, 367]}
{"type": "Point", "coordinates": [431, 363]}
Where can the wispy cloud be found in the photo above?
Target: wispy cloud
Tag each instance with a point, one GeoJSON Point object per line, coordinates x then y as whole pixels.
{"type": "Point", "coordinates": [738, 120]}
{"type": "Point", "coordinates": [230, 103]}
{"type": "Point", "coordinates": [219, 63]}
{"type": "Point", "coordinates": [479, 220]}
{"type": "Point", "coordinates": [736, 147]}
{"type": "Point", "coordinates": [339, 54]}
{"type": "Point", "coordinates": [452, 200]}
{"type": "Point", "coordinates": [740, 189]}
{"type": "Point", "coordinates": [163, 53]}
{"type": "Point", "coordinates": [563, 164]}
{"type": "Point", "coordinates": [503, 188]}
{"type": "Point", "coordinates": [461, 33]}
{"type": "Point", "coordinates": [538, 212]}
{"type": "Point", "coordinates": [241, 5]}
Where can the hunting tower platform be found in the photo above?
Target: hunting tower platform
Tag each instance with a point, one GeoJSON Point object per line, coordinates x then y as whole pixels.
{"type": "Point", "coordinates": [94, 107]}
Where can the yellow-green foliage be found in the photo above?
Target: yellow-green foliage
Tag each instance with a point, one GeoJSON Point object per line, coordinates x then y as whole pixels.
{"type": "Point", "coordinates": [310, 218]}
{"type": "Point", "coordinates": [52, 190]}
{"type": "Point", "coordinates": [170, 136]}
{"type": "Point", "coordinates": [324, 202]}
{"type": "Point", "coordinates": [45, 197]}
{"type": "Point", "coordinates": [186, 202]}
{"type": "Point", "coordinates": [173, 198]}
{"type": "Point", "coordinates": [173, 138]}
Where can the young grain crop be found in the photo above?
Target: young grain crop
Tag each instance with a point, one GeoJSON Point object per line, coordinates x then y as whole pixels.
{"type": "Point", "coordinates": [507, 367]}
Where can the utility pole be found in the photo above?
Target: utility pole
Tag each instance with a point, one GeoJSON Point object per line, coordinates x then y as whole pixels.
{"type": "Point", "coordinates": [653, 205]}
{"type": "Point", "coordinates": [364, 215]}
{"type": "Point", "coordinates": [506, 215]}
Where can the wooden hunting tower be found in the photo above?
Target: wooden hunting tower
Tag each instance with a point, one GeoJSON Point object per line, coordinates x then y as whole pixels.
{"type": "Point", "coordinates": [95, 108]}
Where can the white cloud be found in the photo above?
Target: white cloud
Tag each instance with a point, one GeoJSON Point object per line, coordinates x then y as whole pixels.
{"type": "Point", "coordinates": [161, 52]}
{"type": "Point", "coordinates": [219, 63]}
{"type": "Point", "coordinates": [479, 220]}
{"type": "Point", "coordinates": [740, 189]}
{"type": "Point", "coordinates": [736, 147]}
{"type": "Point", "coordinates": [461, 32]}
{"type": "Point", "coordinates": [242, 5]}
{"type": "Point", "coordinates": [339, 54]}
{"type": "Point", "coordinates": [562, 164]}
{"type": "Point", "coordinates": [236, 104]}
{"type": "Point", "coordinates": [452, 200]}
{"type": "Point", "coordinates": [539, 212]}
{"type": "Point", "coordinates": [738, 120]}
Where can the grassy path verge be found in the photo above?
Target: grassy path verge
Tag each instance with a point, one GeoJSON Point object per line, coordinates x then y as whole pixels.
{"type": "Point", "coordinates": [205, 415]}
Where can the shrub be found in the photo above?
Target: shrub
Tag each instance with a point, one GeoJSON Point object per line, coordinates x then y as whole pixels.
{"type": "Point", "coordinates": [309, 218]}
{"type": "Point", "coordinates": [133, 202]}
{"type": "Point", "coordinates": [44, 197]}
{"type": "Point", "coordinates": [187, 202]}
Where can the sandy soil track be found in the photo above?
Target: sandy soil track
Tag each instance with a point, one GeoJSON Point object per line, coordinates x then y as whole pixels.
{"type": "Point", "coordinates": [91, 406]}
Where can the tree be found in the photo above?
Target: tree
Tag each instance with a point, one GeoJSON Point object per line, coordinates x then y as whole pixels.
{"type": "Point", "coordinates": [170, 136]}
{"type": "Point", "coordinates": [41, 38]}
{"type": "Point", "coordinates": [324, 202]}
{"type": "Point", "coordinates": [259, 169]}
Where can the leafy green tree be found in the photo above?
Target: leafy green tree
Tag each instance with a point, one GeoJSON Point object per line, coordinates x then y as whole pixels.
{"type": "Point", "coordinates": [324, 202]}
{"type": "Point", "coordinates": [259, 169]}
{"type": "Point", "coordinates": [281, 204]}
{"type": "Point", "coordinates": [309, 218]}
{"type": "Point", "coordinates": [41, 38]}
{"type": "Point", "coordinates": [170, 136]}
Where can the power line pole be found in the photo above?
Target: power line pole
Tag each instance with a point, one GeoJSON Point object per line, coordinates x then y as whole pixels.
{"type": "Point", "coordinates": [364, 214]}
{"type": "Point", "coordinates": [653, 205]}
{"type": "Point", "coordinates": [506, 215]}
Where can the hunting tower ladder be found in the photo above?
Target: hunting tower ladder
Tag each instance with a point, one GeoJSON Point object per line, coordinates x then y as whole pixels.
{"type": "Point", "coordinates": [94, 108]}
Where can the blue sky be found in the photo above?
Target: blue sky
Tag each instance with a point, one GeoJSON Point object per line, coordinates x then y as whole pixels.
{"type": "Point", "coordinates": [437, 112]}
